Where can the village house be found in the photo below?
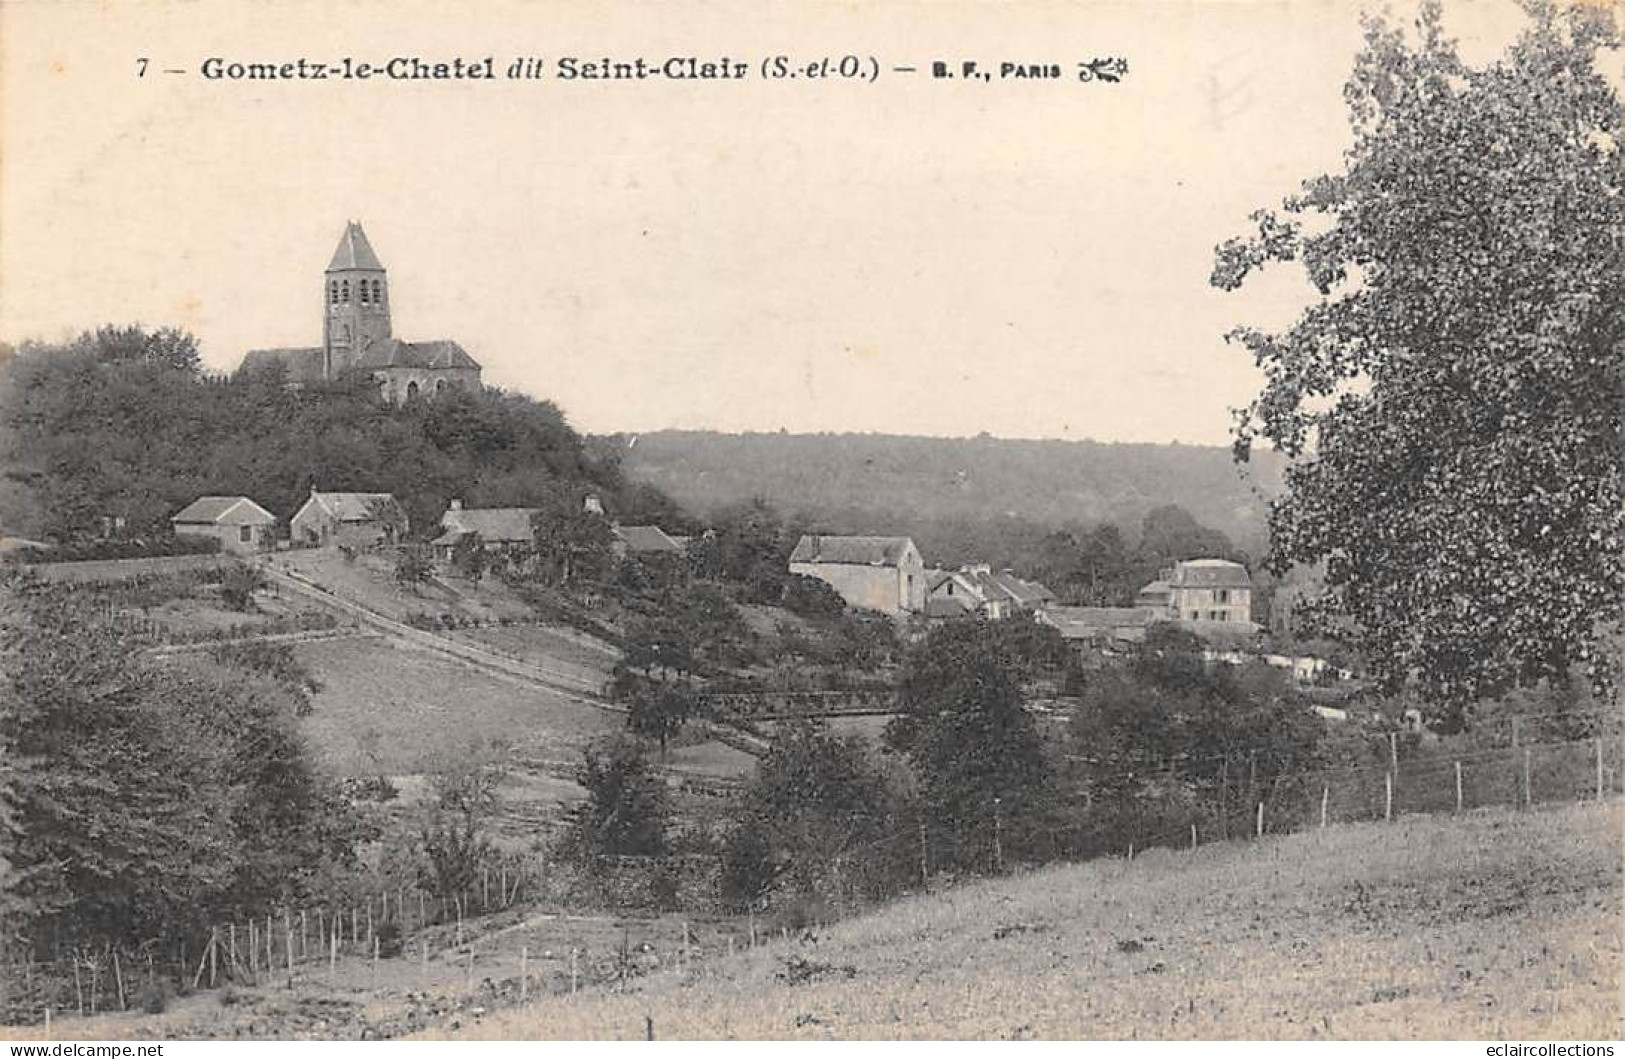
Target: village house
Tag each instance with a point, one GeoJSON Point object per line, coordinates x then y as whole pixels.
{"type": "Point", "coordinates": [351, 520]}
{"type": "Point", "coordinates": [357, 336]}
{"type": "Point", "coordinates": [1201, 590]}
{"type": "Point", "coordinates": [875, 573]}
{"type": "Point", "coordinates": [976, 589]}
{"type": "Point", "coordinates": [501, 529]}
{"type": "Point", "coordinates": [239, 524]}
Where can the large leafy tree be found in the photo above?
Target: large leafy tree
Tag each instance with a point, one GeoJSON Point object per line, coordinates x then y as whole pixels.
{"type": "Point", "coordinates": [963, 727]}
{"type": "Point", "coordinates": [1452, 403]}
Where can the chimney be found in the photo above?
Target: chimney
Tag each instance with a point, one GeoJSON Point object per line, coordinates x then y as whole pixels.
{"type": "Point", "coordinates": [456, 505]}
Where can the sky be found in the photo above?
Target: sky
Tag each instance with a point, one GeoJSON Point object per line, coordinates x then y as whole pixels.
{"type": "Point", "coordinates": [912, 255]}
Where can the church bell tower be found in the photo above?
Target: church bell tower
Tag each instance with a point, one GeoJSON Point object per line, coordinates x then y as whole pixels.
{"type": "Point", "coordinates": [355, 301]}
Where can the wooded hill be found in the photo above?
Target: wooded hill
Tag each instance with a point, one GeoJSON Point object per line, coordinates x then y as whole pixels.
{"type": "Point", "coordinates": [888, 483]}
{"type": "Point", "coordinates": [123, 423]}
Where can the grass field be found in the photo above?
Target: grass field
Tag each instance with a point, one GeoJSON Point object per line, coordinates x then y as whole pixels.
{"type": "Point", "coordinates": [1497, 924]}
{"type": "Point", "coordinates": [389, 709]}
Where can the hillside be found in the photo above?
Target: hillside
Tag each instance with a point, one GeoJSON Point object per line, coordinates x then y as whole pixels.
{"type": "Point", "coordinates": [1494, 925]}
{"type": "Point", "coordinates": [876, 482]}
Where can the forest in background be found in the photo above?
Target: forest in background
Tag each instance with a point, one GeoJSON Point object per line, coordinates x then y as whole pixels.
{"type": "Point", "coordinates": [954, 494]}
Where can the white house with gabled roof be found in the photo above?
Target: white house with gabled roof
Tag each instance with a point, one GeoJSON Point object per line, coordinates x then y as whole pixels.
{"type": "Point", "coordinates": [239, 524]}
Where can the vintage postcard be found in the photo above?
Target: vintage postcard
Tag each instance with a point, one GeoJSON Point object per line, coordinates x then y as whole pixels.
{"type": "Point", "coordinates": [1088, 520]}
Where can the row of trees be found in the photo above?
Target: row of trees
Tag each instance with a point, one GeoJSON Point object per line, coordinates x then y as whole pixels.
{"type": "Point", "coordinates": [142, 801]}
{"type": "Point", "coordinates": [967, 777]}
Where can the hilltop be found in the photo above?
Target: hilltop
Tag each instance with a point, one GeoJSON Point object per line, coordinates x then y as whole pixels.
{"type": "Point", "coordinates": [895, 483]}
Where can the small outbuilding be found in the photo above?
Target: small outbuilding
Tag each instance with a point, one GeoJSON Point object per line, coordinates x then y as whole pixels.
{"type": "Point", "coordinates": [239, 524]}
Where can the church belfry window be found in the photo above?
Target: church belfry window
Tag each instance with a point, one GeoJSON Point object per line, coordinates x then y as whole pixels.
{"type": "Point", "coordinates": [377, 292]}
{"type": "Point", "coordinates": [344, 291]}
{"type": "Point", "coordinates": [333, 292]}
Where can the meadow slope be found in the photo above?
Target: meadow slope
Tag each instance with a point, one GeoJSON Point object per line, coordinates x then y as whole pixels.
{"type": "Point", "coordinates": [1496, 924]}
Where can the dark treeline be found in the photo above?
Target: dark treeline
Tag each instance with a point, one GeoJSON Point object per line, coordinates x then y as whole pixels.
{"type": "Point", "coordinates": [122, 423]}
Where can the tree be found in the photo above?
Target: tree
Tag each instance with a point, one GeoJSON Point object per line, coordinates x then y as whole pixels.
{"type": "Point", "coordinates": [962, 726]}
{"type": "Point", "coordinates": [412, 567]}
{"type": "Point", "coordinates": [1454, 403]}
{"type": "Point", "coordinates": [574, 540]}
{"type": "Point", "coordinates": [452, 836]}
{"type": "Point", "coordinates": [658, 709]}
{"type": "Point", "coordinates": [626, 809]}
{"type": "Point", "coordinates": [469, 558]}
{"type": "Point", "coordinates": [814, 806]}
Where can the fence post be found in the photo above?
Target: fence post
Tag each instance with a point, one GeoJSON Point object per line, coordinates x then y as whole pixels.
{"type": "Point", "coordinates": [1528, 796]}
{"type": "Point", "coordinates": [1458, 786]}
{"type": "Point", "coordinates": [924, 876]}
{"type": "Point", "coordinates": [1131, 851]}
{"type": "Point", "coordinates": [425, 964]}
{"type": "Point", "coordinates": [1599, 768]}
{"type": "Point", "coordinates": [1387, 797]}
{"type": "Point", "coordinates": [1325, 797]}
{"type": "Point", "coordinates": [998, 844]}
{"type": "Point", "coordinates": [333, 958]}
{"type": "Point", "coordinates": [574, 950]}
{"type": "Point", "coordinates": [1193, 837]}
{"type": "Point", "coordinates": [288, 924]}
{"type": "Point", "coordinates": [524, 974]}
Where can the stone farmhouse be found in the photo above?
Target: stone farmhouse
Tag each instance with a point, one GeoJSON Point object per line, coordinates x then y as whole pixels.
{"type": "Point", "coordinates": [874, 573]}
{"type": "Point", "coordinates": [351, 520]}
{"type": "Point", "coordinates": [357, 336]}
{"type": "Point", "coordinates": [497, 528]}
{"type": "Point", "coordinates": [1202, 590]}
{"type": "Point", "coordinates": [239, 524]}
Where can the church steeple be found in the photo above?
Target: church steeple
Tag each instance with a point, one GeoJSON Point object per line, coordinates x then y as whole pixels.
{"type": "Point", "coordinates": [355, 300]}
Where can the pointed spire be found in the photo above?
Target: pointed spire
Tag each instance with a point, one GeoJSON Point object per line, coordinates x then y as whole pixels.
{"type": "Point", "coordinates": [354, 251]}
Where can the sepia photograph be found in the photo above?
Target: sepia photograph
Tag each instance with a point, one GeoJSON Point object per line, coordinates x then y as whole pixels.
{"type": "Point", "coordinates": [595, 520]}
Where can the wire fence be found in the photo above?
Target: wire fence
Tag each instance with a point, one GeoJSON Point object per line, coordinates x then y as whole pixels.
{"type": "Point", "coordinates": [411, 922]}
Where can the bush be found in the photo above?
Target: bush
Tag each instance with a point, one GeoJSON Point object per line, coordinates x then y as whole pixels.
{"type": "Point", "coordinates": [238, 586]}
{"type": "Point", "coordinates": [390, 941]}
{"type": "Point", "coordinates": [154, 995]}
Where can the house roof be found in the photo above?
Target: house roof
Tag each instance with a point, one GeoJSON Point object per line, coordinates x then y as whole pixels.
{"type": "Point", "coordinates": [1155, 588]}
{"type": "Point", "coordinates": [1081, 623]}
{"type": "Point", "coordinates": [213, 509]}
{"type": "Point", "coordinates": [501, 525]}
{"type": "Point", "coordinates": [646, 539]}
{"type": "Point", "coordinates": [1100, 617]}
{"type": "Point", "coordinates": [857, 551]}
{"type": "Point", "coordinates": [440, 353]}
{"type": "Point", "coordinates": [302, 364]}
{"type": "Point", "coordinates": [1027, 593]}
{"type": "Point", "coordinates": [1206, 573]}
{"type": "Point", "coordinates": [356, 507]}
{"type": "Point", "coordinates": [354, 251]}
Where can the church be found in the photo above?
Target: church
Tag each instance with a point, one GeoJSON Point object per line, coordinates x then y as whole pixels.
{"type": "Point", "coordinates": [357, 336]}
